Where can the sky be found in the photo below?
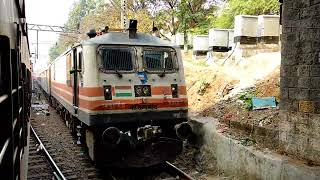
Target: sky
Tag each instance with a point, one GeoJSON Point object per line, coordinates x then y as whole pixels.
{"type": "Point", "coordinates": [46, 12]}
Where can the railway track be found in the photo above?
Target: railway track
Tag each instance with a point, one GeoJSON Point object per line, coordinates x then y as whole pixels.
{"type": "Point", "coordinates": [172, 169]}
{"type": "Point", "coordinates": [165, 171]}
{"type": "Point", "coordinates": [63, 159]}
{"type": "Point", "coordinates": [60, 145]}
{"type": "Point", "coordinates": [46, 163]}
{"type": "Point", "coordinates": [41, 161]}
{"type": "Point", "coordinates": [42, 166]}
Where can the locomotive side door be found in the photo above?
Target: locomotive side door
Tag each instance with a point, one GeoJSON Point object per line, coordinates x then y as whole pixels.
{"type": "Point", "coordinates": [75, 83]}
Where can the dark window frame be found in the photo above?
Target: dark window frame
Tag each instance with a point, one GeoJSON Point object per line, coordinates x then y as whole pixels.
{"type": "Point", "coordinates": [161, 49]}
{"type": "Point", "coordinates": [133, 59]}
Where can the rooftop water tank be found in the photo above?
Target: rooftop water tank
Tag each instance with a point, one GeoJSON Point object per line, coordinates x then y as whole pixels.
{"type": "Point", "coordinates": [245, 29]}
{"type": "Point", "coordinates": [180, 39]}
{"type": "Point", "coordinates": [200, 43]}
{"type": "Point", "coordinates": [219, 40]}
{"type": "Point", "coordinates": [269, 28]}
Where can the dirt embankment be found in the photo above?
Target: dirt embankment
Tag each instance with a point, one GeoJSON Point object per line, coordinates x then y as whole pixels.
{"type": "Point", "coordinates": [225, 93]}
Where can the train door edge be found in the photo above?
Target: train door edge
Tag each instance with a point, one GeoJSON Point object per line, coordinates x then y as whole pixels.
{"type": "Point", "coordinates": [75, 80]}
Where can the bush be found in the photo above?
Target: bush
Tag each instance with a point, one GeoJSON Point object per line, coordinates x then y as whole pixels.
{"type": "Point", "coordinates": [203, 87]}
{"type": "Point", "coordinates": [247, 98]}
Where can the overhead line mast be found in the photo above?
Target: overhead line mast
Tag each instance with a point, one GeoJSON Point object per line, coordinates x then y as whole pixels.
{"type": "Point", "coordinates": [48, 28]}
{"type": "Point", "coordinates": [124, 18]}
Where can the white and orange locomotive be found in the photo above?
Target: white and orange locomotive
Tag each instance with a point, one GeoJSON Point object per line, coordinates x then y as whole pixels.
{"type": "Point", "coordinates": [125, 94]}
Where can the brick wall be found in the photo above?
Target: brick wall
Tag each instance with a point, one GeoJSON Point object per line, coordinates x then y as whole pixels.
{"type": "Point", "coordinates": [300, 79]}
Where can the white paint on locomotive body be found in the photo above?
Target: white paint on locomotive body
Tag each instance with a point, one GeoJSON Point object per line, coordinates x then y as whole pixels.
{"type": "Point", "coordinates": [90, 72]}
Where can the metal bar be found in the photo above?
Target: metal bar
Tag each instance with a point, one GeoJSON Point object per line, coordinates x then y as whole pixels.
{"type": "Point", "coordinates": [3, 98]}
{"type": "Point", "coordinates": [50, 28]}
{"type": "Point", "coordinates": [179, 172]}
{"type": "Point", "coordinates": [14, 123]}
{"type": "Point", "coordinates": [4, 149]}
{"type": "Point", "coordinates": [37, 55]}
{"type": "Point", "coordinates": [15, 154]}
{"type": "Point", "coordinates": [51, 161]}
{"type": "Point", "coordinates": [13, 91]}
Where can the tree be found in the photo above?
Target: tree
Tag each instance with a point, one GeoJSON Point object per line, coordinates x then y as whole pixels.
{"type": "Point", "coordinates": [246, 7]}
{"type": "Point", "coordinates": [195, 15]}
{"type": "Point", "coordinates": [53, 53]}
{"type": "Point", "coordinates": [174, 15]}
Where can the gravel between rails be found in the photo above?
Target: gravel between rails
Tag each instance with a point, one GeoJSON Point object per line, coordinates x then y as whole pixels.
{"type": "Point", "coordinates": [38, 166]}
{"type": "Point", "coordinates": [73, 160]}
{"type": "Point", "coordinates": [70, 157]}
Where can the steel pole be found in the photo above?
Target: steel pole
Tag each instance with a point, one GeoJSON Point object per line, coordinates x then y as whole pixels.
{"type": "Point", "coordinates": [37, 56]}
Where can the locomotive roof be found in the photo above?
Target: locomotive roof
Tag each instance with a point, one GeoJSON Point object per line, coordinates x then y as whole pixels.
{"type": "Point", "coordinates": [120, 38]}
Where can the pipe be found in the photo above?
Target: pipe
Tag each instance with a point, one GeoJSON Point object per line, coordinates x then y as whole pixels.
{"type": "Point", "coordinates": [183, 130]}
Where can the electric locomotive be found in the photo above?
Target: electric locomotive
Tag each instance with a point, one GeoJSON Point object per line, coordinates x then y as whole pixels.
{"type": "Point", "coordinates": [124, 95]}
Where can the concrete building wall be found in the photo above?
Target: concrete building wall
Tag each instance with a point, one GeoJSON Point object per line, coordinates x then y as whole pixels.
{"type": "Point", "coordinates": [300, 80]}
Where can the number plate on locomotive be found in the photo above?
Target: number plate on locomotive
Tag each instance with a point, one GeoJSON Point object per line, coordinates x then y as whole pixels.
{"type": "Point", "coordinates": [144, 107]}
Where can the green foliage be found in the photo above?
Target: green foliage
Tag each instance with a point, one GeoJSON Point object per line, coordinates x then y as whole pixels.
{"type": "Point", "coordinates": [246, 7]}
{"type": "Point", "coordinates": [202, 63]}
{"type": "Point", "coordinates": [247, 141]}
{"type": "Point", "coordinates": [189, 16]}
{"type": "Point", "coordinates": [53, 53]}
{"type": "Point", "coordinates": [246, 97]}
{"type": "Point", "coordinates": [202, 88]}
{"type": "Point", "coordinates": [194, 16]}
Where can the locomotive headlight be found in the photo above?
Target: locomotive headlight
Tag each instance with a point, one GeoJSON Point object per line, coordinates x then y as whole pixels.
{"type": "Point", "coordinates": [174, 90]}
{"type": "Point", "coordinates": [107, 92]}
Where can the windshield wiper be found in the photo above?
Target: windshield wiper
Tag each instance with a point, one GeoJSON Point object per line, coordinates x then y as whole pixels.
{"type": "Point", "coordinates": [118, 73]}
{"type": "Point", "coordinates": [164, 69]}
{"type": "Point", "coordinates": [163, 73]}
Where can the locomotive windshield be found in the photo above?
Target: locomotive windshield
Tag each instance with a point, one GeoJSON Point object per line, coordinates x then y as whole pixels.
{"type": "Point", "coordinates": [116, 59]}
{"type": "Point", "coordinates": [159, 59]}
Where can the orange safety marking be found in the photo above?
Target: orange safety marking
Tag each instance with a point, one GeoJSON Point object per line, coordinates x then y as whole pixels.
{"type": "Point", "coordinates": [124, 104]}
{"type": "Point", "coordinates": [98, 91]}
{"type": "Point", "coordinates": [161, 90]}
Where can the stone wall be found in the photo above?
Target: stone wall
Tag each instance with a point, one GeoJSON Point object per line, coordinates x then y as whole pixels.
{"type": "Point", "coordinates": [300, 80]}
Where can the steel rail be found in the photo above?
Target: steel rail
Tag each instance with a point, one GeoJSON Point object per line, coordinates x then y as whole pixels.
{"type": "Point", "coordinates": [57, 172]}
{"type": "Point", "coordinates": [179, 172]}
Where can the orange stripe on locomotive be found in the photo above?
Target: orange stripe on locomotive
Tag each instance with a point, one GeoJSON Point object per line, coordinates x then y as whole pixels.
{"type": "Point", "coordinates": [66, 92]}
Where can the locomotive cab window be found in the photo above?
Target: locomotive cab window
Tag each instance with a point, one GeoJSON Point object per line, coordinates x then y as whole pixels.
{"type": "Point", "coordinates": [116, 59]}
{"type": "Point", "coordinates": [160, 59]}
